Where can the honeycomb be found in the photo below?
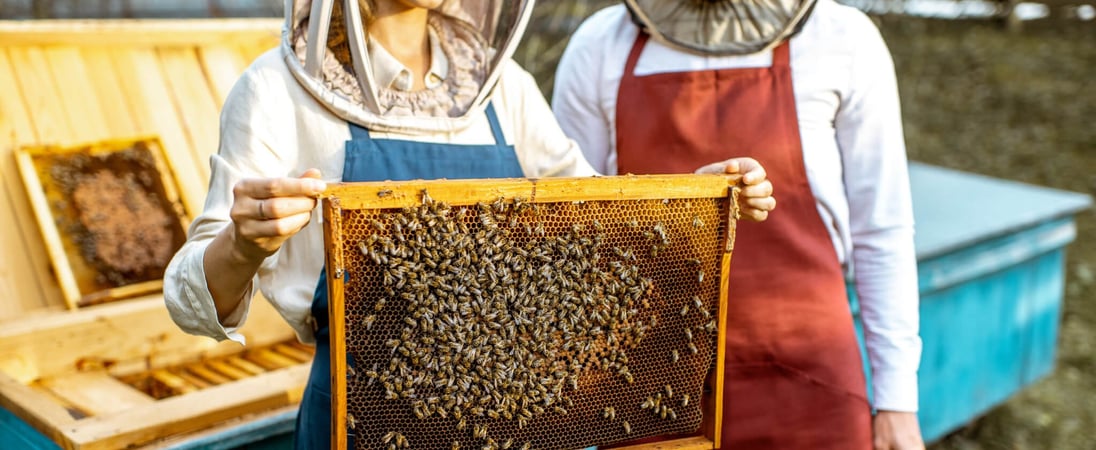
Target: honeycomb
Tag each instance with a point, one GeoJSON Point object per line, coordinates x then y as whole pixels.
{"type": "Point", "coordinates": [511, 324]}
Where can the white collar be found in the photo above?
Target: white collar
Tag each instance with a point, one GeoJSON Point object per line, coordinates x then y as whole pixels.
{"type": "Point", "coordinates": [389, 73]}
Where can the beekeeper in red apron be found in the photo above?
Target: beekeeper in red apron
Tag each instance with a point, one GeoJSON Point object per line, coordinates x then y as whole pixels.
{"type": "Point", "coordinates": [807, 88]}
{"type": "Point", "coordinates": [361, 90]}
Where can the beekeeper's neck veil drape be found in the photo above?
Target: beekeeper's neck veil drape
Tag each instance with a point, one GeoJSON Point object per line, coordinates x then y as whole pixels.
{"type": "Point", "coordinates": [326, 45]}
{"type": "Point", "coordinates": [720, 27]}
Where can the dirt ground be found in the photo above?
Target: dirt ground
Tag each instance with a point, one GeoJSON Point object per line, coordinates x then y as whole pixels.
{"type": "Point", "coordinates": [979, 99]}
{"type": "Point", "coordinates": [1016, 106]}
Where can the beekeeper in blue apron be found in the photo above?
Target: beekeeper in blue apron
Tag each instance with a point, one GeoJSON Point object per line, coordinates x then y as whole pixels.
{"type": "Point", "coordinates": [380, 90]}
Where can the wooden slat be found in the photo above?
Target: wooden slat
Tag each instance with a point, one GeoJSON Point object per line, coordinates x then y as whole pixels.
{"type": "Point", "coordinates": [174, 383]}
{"type": "Point", "coordinates": [245, 365]}
{"type": "Point", "coordinates": [693, 443]}
{"type": "Point", "coordinates": [390, 194]}
{"type": "Point", "coordinates": [293, 352]}
{"type": "Point", "coordinates": [35, 408]}
{"type": "Point", "coordinates": [104, 79]}
{"type": "Point", "coordinates": [50, 233]}
{"type": "Point", "coordinates": [227, 370]}
{"type": "Point", "coordinates": [193, 99]}
{"type": "Point", "coordinates": [151, 99]}
{"type": "Point", "coordinates": [191, 412]}
{"type": "Point", "coordinates": [131, 336]}
{"type": "Point", "coordinates": [44, 104]}
{"type": "Point", "coordinates": [207, 374]}
{"type": "Point", "coordinates": [222, 67]}
{"type": "Point", "coordinates": [97, 393]}
{"type": "Point", "coordinates": [81, 101]}
{"type": "Point", "coordinates": [134, 33]}
{"type": "Point", "coordinates": [25, 281]}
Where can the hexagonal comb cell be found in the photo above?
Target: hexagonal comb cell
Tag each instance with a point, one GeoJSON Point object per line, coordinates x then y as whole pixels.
{"type": "Point", "coordinates": [524, 322]}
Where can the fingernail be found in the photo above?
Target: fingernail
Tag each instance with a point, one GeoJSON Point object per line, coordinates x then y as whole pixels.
{"type": "Point", "coordinates": [316, 186]}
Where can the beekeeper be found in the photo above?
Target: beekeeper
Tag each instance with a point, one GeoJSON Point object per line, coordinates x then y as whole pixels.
{"type": "Point", "coordinates": [807, 88]}
{"type": "Point", "coordinates": [367, 90]}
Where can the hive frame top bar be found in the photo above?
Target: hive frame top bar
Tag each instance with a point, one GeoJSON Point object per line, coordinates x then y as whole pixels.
{"type": "Point", "coordinates": [398, 194]}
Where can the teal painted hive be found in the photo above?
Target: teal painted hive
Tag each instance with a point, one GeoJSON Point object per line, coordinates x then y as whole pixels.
{"type": "Point", "coordinates": [991, 260]}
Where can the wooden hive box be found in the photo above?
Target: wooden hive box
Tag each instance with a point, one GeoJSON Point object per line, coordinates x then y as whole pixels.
{"type": "Point", "coordinates": [122, 374]}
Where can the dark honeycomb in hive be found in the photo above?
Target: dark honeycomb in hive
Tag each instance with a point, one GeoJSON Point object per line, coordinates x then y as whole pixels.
{"type": "Point", "coordinates": [511, 324]}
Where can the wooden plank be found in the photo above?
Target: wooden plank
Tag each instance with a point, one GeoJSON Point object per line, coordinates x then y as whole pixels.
{"type": "Point", "coordinates": [151, 100]}
{"type": "Point", "coordinates": [245, 365]}
{"type": "Point", "coordinates": [174, 383]}
{"type": "Point", "coordinates": [96, 393]}
{"type": "Point", "coordinates": [191, 412]}
{"type": "Point", "coordinates": [692, 443]}
{"type": "Point", "coordinates": [50, 234]}
{"type": "Point", "coordinates": [227, 370]}
{"type": "Point", "coordinates": [336, 283]}
{"type": "Point", "coordinates": [293, 352]}
{"type": "Point", "coordinates": [389, 194]}
{"type": "Point", "coordinates": [130, 336]}
{"type": "Point", "coordinates": [207, 374]}
{"type": "Point", "coordinates": [26, 283]}
{"type": "Point", "coordinates": [144, 32]}
{"type": "Point", "coordinates": [44, 105]}
{"type": "Point", "coordinates": [81, 101]}
{"type": "Point", "coordinates": [193, 98]}
{"type": "Point", "coordinates": [104, 79]}
{"type": "Point", "coordinates": [222, 67]}
{"type": "Point", "coordinates": [35, 408]}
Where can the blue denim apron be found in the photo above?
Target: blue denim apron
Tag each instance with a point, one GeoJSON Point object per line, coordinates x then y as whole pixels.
{"type": "Point", "coordinates": [370, 159]}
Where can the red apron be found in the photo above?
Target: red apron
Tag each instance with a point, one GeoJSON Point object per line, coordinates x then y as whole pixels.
{"type": "Point", "coordinates": [793, 370]}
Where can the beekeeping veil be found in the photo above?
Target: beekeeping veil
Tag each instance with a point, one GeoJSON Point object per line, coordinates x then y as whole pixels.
{"type": "Point", "coordinates": [326, 45]}
{"type": "Point", "coordinates": [720, 27]}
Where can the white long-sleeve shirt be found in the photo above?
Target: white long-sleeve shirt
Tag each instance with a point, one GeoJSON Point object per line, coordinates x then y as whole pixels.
{"type": "Point", "coordinates": [272, 127]}
{"type": "Point", "coordinates": [853, 148]}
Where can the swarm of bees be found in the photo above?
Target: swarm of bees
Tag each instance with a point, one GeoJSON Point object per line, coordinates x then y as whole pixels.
{"type": "Point", "coordinates": [499, 318]}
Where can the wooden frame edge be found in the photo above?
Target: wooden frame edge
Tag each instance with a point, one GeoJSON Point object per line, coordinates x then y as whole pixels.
{"type": "Point", "coordinates": [38, 410]}
{"type": "Point", "coordinates": [190, 412]}
{"type": "Point", "coordinates": [332, 216]}
{"type": "Point", "coordinates": [54, 246]}
{"type": "Point", "coordinates": [397, 194]}
{"type": "Point", "coordinates": [149, 32]}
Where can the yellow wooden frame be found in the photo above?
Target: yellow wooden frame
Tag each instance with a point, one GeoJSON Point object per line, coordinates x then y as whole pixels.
{"type": "Point", "coordinates": [385, 195]}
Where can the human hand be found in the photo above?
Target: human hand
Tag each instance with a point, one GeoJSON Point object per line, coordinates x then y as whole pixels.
{"type": "Point", "coordinates": [267, 211]}
{"type": "Point", "coordinates": [893, 430]}
{"type": "Point", "coordinates": [756, 197]}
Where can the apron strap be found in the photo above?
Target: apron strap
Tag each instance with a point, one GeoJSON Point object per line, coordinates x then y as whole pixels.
{"type": "Point", "coordinates": [633, 56]}
{"type": "Point", "coordinates": [360, 133]}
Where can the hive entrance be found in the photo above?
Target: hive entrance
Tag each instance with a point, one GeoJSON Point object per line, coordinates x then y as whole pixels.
{"type": "Point", "coordinates": [557, 324]}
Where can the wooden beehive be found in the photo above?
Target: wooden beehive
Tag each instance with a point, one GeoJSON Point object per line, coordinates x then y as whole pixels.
{"type": "Point", "coordinates": [546, 311]}
{"type": "Point", "coordinates": [122, 374]}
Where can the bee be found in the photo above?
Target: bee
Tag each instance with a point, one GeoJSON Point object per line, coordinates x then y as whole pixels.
{"type": "Point", "coordinates": [462, 424]}
{"type": "Point", "coordinates": [669, 391]}
{"type": "Point", "coordinates": [455, 446]}
{"type": "Point", "coordinates": [388, 437]}
{"type": "Point", "coordinates": [674, 355]}
{"type": "Point", "coordinates": [368, 321]}
{"type": "Point", "coordinates": [689, 334]}
{"type": "Point", "coordinates": [697, 222]}
{"type": "Point", "coordinates": [684, 400]}
{"type": "Point", "coordinates": [350, 423]}
{"type": "Point", "coordinates": [692, 348]}
{"type": "Point", "coordinates": [401, 441]}
{"type": "Point", "coordinates": [559, 410]}
{"type": "Point", "coordinates": [685, 310]}
{"type": "Point", "coordinates": [700, 276]}
{"type": "Point", "coordinates": [380, 304]}
{"type": "Point", "coordinates": [527, 446]}
{"type": "Point", "coordinates": [699, 304]}
{"type": "Point", "coordinates": [673, 415]}
{"type": "Point", "coordinates": [384, 193]}
{"type": "Point", "coordinates": [609, 413]}
{"type": "Point", "coordinates": [479, 431]}
{"type": "Point", "coordinates": [627, 427]}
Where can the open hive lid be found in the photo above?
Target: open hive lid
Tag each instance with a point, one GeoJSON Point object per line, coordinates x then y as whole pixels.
{"type": "Point", "coordinates": [553, 313]}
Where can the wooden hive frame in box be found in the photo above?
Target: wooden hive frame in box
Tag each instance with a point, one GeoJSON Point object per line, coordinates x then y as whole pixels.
{"type": "Point", "coordinates": [143, 186]}
{"type": "Point", "coordinates": [122, 374]}
{"type": "Point", "coordinates": [555, 312]}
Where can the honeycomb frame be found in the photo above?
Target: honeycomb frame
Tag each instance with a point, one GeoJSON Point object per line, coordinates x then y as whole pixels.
{"type": "Point", "coordinates": [663, 244]}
